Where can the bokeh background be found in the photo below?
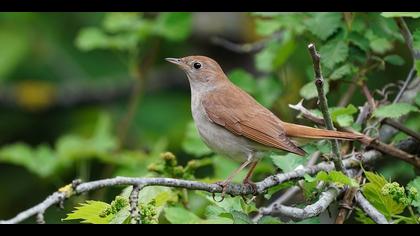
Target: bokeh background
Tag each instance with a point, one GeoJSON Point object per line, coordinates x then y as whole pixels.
{"type": "Point", "coordinates": [90, 96]}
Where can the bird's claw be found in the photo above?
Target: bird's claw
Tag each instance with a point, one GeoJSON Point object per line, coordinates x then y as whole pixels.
{"type": "Point", "coordinates": [253, 186]}
{"type": "Point", "coordinates": [224, 186]}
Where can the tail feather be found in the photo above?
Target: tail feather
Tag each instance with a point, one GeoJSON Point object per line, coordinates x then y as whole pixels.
{"type": "Point", "coordinates": [301, 131]}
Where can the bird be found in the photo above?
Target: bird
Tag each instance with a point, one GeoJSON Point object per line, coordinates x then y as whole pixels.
{"type": "Point", "coordinates": [233, 124]}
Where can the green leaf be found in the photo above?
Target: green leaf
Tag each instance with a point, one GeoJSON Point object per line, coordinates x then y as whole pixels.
{"type": "Point", "coordinates": [179, 215]}
{"type": "Point", "coordinates": [333, 53]}
{"type": "Point", "coordinates": [324, 25]}
{"type": "Point", "coordinates": [14, 46]}
{"type": "Point", "coordinates": [337, 178]}
{"type": "Point", "coordinates": [359, 40]}
{"type": "Point", "coordinates": [287, 162]}
{"type": "Point", "coordinates": [309, 91]}
{"type": "Point", "coordinates": [394, 60]}
{"type": "Point", "coordinates": [224, 166]}
{"type": "Point", "coordinates": [174, 26]}
{"type": "Point", "coordinates": [89, 212]}
{"type": "Point", "coordinates": [277, 188]}
{"type": "Point", "coordinates": [192, 143]}
{"type": "Point", "coordinates": [269, 220]}
{"type": "Point", "coordinates": [240, 218]}
{"type": "Point", "coordinates": [265, 27]}
{"type": "Point", "coordinates": [378, 44]}
{"type": "Point", "coordinates": [401, 14]}
{"type": "Point", "coordinates": [394, 110]}
{"type": "Point", "coordinates": [341, 72]}
{"type": "Point", "coordinates": [343, 115]}
{"type": "Point", "coordinates": [91, 38]}
{"type": "Point", "coordinates": [373, 193]}
{"type": "Point", "coordinates": [243, 79]}
{"type": "Point", "coordinates": [416, 184]}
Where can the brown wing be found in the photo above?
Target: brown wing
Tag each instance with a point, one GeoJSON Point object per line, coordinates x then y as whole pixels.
{"type": "Point", "coordinates": [238, 112]}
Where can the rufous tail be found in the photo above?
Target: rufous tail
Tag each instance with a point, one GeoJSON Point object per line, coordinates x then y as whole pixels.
{"type": "Point", "coordinates": [301, 131]}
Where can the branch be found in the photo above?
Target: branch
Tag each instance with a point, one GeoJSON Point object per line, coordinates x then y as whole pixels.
{"type": "Point", "coordinates": [233, 189]}
{"type": "Point", "coordinates": [323, 105]}
{"type": "Point", "coordinates": [134, 211]}
{"type": "Point", "coordinates": [312, 210]}
{"type": "Point", "coordinates": [370, 210]}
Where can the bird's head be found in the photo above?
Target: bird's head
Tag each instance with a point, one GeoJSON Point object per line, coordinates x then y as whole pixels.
{"type": "Point", "coordinates": [200, 70]}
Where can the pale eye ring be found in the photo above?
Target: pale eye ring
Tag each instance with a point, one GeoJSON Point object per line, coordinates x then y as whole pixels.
{"type": "Point", "coordinates": [197, 65]}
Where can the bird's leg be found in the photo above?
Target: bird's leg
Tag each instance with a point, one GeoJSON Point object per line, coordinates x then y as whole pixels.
{"type": "Point", "coordinates": [247, 179]}
{"type": "Point", "coordinates": [225, 183]}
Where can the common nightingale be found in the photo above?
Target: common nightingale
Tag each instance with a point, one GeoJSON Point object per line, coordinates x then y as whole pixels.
{"type": "Point", "coordinates": [233, 124]}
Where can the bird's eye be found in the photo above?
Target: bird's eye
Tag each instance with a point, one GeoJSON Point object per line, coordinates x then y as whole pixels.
{"type": "Point", "coordinates": [197, 65]}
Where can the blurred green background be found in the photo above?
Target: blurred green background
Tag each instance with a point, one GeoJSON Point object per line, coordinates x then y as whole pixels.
{"type": "Point", "coordinates": [90, 96]}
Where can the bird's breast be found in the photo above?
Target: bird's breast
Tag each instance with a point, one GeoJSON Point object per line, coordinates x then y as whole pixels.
{"type": "Point", "coordinates": [216, 137]}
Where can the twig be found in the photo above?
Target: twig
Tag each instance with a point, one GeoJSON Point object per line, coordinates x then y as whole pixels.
{"type": "Point", "coordinates": [323, 105]}
{"type": "Point", "coordinates": [402, 128]}
{"type": "Point", "coordinates": [40, 218]}
{"type": "Point", "coordinates": [408, 37]}
{"type": "Point", "coordinates": [370, 210]}
{"type": "Point", "coordinates": [134, 210]}
{"type": "Point", "coordinates": [368, 95]}
{"type": "Point", "coordinates": [312, 210]}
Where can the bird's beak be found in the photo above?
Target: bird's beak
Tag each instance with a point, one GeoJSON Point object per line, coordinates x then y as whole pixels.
{"type": "Point", "coordinates": [175, 61]}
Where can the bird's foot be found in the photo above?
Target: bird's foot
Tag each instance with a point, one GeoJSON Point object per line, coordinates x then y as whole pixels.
{"type": "Point", "coordinates": [253, 186]}
{"type": "Point", "coordinates": [224, 185]}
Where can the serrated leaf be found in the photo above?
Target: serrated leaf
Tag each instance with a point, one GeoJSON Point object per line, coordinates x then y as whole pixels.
{"type": "Point", "coordinates": [394, 110]}
{"type": "Point", "coordinates": [333, 53]}
{"type": "Point", "coordinates": [277, 188]}
{"type": "Point", "coordinates": [179, 215]}
{"type": "Point", "coordinates": [337, 178]}
{"type": "Point", "coordinates": [243, 79]}
{"type": "Point", "coordinates": [309, 91]}
{"type": "Point", "coordinates": [192, 143]}
{"type": "Point", "coordinates": [174, 26]}
{"type": "Point", "coordinates": [373, 193]}
{"type": "Point", "coordinates": [394, 60]}
{"type": "Point", "coordinates": [89, 212]}
{"type": "Point", "coordinates": [401, 14]}
{"type": "Point", "coordinates": [324, 25]}
{"type": "Point", "coordinates": [378, 44]}
{"type": "Point", "coordinates": [416, 184]}
{"type": "Point", "coordinates": [343, 115]}
{"type": "Point", "coordinates": [340, 72]}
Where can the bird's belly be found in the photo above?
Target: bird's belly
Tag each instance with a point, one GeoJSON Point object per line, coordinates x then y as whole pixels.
{"type": "Point", "coordinates": [220, 140]}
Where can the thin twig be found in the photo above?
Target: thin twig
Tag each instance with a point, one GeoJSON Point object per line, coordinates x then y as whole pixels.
{"type": "Point", "coordinates": [370, 210]}
{"type": "Point", "coordinates": [402, 128]}
{"type": "Point", "coordinates": [323, 105]}
{"type": "Point", "coordinates": [347, 203]}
